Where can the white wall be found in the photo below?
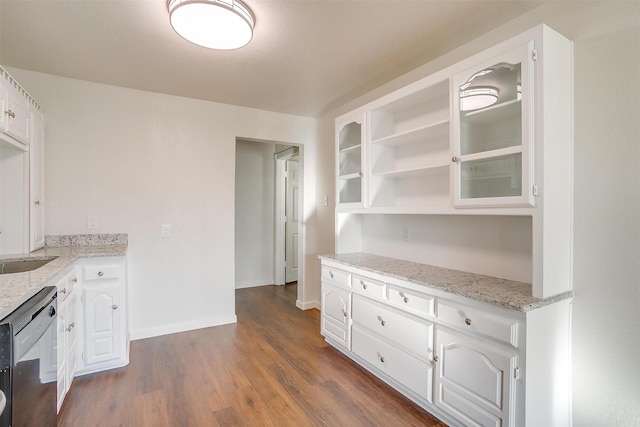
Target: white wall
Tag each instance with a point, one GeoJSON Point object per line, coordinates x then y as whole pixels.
{"type": "Point", "coordinates": [138, 160]}
{"type": "Point", "coordinates": [606, 314]}
{"type": "Point", "coordinates": [254, 213]}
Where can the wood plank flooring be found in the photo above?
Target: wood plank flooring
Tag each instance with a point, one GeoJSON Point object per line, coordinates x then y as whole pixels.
{"type": "Point", "coordinates": [272, 368]}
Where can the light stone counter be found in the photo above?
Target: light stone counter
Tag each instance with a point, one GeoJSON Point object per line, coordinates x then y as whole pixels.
{"type": "Point", "coordinates": [18, 287]}
{"type": "Point", "coordinates": [501, 292]}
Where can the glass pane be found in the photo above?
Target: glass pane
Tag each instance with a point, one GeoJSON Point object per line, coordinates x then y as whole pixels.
{"type": "Point", "coordinates": [490, 111]}
{"type": "Point", "coordinates": [350, 161]}
{"type": "Point", "coordinates": [350, 135]}
{"type": "Point", "coordinates": [350, 190]}
{"type": "Point", "coordinates": [496, 177]}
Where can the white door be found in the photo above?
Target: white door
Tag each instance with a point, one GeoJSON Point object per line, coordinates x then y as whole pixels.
{"type": "Point", "coordinates": [292, 215]}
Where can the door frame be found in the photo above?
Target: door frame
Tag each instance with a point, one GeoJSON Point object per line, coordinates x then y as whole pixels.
{"type": "Point", "coordinates": [279, 238]}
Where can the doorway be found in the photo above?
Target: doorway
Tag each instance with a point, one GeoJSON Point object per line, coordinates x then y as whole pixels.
{"type": "Point", "coordinates": [287, 218]}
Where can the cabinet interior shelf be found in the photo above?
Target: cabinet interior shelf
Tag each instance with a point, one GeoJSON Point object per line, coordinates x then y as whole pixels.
{"type": "Point", "coordinates": [494, 113]}
{"type": "Point", "coordinates": [433, 131]}
{"type": "Point", "coordinates": [350, 176]}
{"type": "Point", "coordinates": [410, 173]}
{"type": "Point", "coordinates": [350, 148]}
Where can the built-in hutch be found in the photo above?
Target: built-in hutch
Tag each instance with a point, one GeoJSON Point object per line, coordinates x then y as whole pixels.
{"type": "Point", "coordinates": [490, 136]}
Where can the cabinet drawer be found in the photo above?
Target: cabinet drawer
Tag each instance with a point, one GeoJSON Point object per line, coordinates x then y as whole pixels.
{"type": "Point", "coordinates": [476, 321]}
{"type": "Point", "coordinates": [403, 331]}
{"type": "Point", "coordinates": [335, 276]}
{"type": "Point", "coordinates": [101, 272]}
{"type": "Point", "coordinates": [411, 301]}
{"type": "Point", "coordinates": [402, 367]}
{"type": "Point", "coordinates": [369, 287]}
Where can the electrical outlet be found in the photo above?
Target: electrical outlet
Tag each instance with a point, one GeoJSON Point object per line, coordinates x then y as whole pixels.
{"type": "Point", "coordinates": [406, 234]}
{"type": "Point", "coordinates": [325, 201]}
{"type": "Point", "coordinates": [92, 222]}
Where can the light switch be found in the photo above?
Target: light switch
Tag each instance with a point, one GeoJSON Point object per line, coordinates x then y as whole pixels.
{"type": "Point", "coordinates": [166, 231]}
{"type": "Point", "coordinates": [92, 222]}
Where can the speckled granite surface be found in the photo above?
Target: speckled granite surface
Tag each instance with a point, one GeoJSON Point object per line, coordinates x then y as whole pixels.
{"type": "Point", "coordinates": [505, 293]}
{"type": "Point", "coordinates": [86, 239]}
{"type": "Point", "coordinates": [18, 287]}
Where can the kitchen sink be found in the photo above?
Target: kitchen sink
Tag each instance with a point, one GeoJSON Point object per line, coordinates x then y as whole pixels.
{"type": "Point", "coordinates": [21, 266]}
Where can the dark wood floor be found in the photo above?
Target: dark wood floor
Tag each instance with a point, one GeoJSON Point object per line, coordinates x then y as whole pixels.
{"type": "Point", "coordinates": [272, 368]}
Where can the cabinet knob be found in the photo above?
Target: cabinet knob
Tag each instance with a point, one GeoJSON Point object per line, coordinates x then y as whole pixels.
{"type": "Point", "coordinates": [364, 285]}
{"type": "Point", "coordinates": [381, 320]}
{"type": "Point", "coordinates": [71, 326]}
{"type": "Point", "coordinates": [37, 202]}
{"type": "Point", "coordinates": [75, 280]}
{"type": "Point", "coordinates": [114, 306]}
{"type": "Point", "coordinates": [467, 321]}
{"type": "Point", "coordinates": [100, 273]}
{"type": "Point", "coordinates": [10, 114]}
{"type": "Point", "coordinates": [360, 173]}
{"type": "Point", "coordinates": [435, 358]}
{"type": "Point", "coordinates": [455, 159]}
{"type": "Point", "coordinates": [344, 313]}
{"type": "Point", "coordinates": [331, 274]}
{"type": "Point", "coordinates": [63, 291]}
{"type": "Point", "coordinates": [406, 300]}
{"type": "Point", "coordinates": [381, 358]}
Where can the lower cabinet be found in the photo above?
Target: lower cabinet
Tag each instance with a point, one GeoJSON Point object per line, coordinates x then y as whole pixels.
{"type": "Point", "coordinates": [67, 342]}
{"type": "Point", "coordinates": [104, 323]}
{"type": "Point", "coordinates": [464, 361]}
{"type": "Point", "coordinates": [474, 382]}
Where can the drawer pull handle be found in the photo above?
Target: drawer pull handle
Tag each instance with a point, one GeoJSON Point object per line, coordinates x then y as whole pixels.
{"type": "Point", "coordinates": [331, 274]}
{"type": "Point", "coordinates": [100, 273]}
{"type": "Point", "coordinates": [114, 306]}
{"type": "Point", "coordinates": [63, 291]}
{"type": "Point", "coordinates": [467, 321]}
{"type": "Point", "coordinates": [406, 300]}
{"type": "Point", "coordinates": [381, 320]}
{"type": "Point", "coordinates": [364, 285]}
{"type": "Point", "coordinates": [10, 114]}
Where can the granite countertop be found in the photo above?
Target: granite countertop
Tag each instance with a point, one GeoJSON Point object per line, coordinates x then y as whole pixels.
{"type": "Point", "coordinates": [18, 287]}
{"type": "Point", "coordinates": [501, 292]}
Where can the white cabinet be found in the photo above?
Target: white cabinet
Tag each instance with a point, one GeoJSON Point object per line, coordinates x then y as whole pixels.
{"type": "Point", "coordinates": [350, 161]}
{"type": "Point", "coordinates": [336, 317]}
{"type": "Point", "coordinates": [14, 126]}
{"type": "Point", "coordinates": [67, 349]}
{"type": "Point", "coordinates": [475, 382]}
{"type": "Point", "coordinates": [104, 318]}
{"type": "Point", "coordinates": [36, 181]}
{"type": "Point", "coordinates": [465, 361]}
{"type": "Point", "coordinates": [493, 122]}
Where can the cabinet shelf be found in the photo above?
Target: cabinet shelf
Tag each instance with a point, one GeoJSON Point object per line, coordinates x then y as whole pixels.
{"type": "Point", "coordinates": [435, 131]}
{"type": "Point", "coordinates": [415, 172]}
{"type": "Point", "coordinates": [350, 148]}
{"type": "Point", "coordinates": [498, 112]}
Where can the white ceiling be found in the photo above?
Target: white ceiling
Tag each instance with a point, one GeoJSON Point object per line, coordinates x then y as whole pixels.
{"type": "Point", "coordinates": [307, 57]}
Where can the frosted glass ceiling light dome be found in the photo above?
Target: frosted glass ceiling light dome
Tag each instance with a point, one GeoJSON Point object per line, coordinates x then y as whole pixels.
{"type": "Point", "coordinates": [214, 24]}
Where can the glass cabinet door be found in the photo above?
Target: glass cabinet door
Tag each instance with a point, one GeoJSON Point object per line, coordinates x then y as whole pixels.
{"type": "Point", "coordinates": [350, 162]}
{"type": "Point", "coordinates": [493, 107]}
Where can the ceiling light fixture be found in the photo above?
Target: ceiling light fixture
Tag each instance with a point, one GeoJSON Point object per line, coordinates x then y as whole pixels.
{"type": "Point", "coordinates": [214, 24]}
{"type": "Point", "coordinates": [477, 97]}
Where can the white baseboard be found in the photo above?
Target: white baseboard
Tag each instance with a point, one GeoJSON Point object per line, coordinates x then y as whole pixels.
{"type": "Point", "coordinates": [307, 305]}
{"type": "Point", "coordinates": [181, 327]}
{"type": "Point", "coordinates": [253, 283]}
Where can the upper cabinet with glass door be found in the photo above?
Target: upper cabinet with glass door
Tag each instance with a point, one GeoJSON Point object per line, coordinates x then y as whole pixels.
{"type": "Point", "coordinates": [350, 138]}
{"type": "Point", "coordinates": [493, 124]}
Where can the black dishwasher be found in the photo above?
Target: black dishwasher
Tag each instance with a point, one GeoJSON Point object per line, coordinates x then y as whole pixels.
{"type": "Point", "coordinates": [28, 362]}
